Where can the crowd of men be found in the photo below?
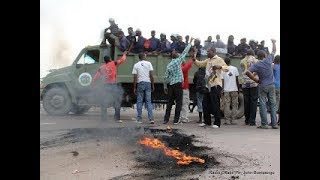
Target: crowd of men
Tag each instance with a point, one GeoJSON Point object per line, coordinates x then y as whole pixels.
{"type": "Point", "coordinates": [214, 78]}
{"type": "Point", "coordinates": [154, 45]}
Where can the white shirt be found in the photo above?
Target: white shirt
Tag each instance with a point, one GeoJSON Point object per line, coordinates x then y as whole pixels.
{"type": "Point", "coordinates": [142, 69]}
{"type": "Point", "coordinates": [229, 78]}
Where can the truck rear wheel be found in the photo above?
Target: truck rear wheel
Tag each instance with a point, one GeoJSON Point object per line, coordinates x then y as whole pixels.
{"type": "Point", "coordinates": [76, 109]}
{"type": "Point", "coordinates": [56, 101]}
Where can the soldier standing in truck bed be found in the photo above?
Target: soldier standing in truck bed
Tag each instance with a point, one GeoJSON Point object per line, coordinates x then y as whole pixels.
{"type": "Point", "coordinates": [112, 35]}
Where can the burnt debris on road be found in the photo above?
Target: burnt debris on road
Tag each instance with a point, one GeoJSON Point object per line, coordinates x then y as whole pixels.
{"type": "Point", "coordinates": [158, 164]}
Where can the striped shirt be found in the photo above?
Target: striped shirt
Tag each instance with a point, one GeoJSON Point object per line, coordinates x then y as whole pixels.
{"type": "Point", "coordinates": [173, 73]}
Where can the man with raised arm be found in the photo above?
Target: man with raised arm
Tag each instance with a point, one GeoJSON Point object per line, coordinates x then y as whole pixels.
{"type": "Point", "coordinates": [174, 79]}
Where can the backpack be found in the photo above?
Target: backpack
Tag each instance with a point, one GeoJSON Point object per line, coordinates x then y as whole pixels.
{"type": "Point", "coordinates": [199, 81]}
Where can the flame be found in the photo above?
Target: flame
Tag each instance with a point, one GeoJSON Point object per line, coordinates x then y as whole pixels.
{"type": "Point", "coordinates": [182, 158]}
{"type": "Point", "coordinates": [154, 143]}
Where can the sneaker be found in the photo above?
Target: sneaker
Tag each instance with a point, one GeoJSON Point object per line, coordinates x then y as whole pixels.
{"type": "Point", "coordinates": [184, 121]}
{"type": "Point", "coordinates": [119, 121]}
{"type": "Point", "coordinates": [252, 124]}
{"type": "Point", "coordinates": [215, 126]}
{"type": "Point", "coordinates": [275, 127]}
{"type": "Point", "coordinates": [263, 127]}
{"type": "Point", "coordinates": [140, 122]}
{"type": "Point", "coordinates": [165, 122]}
{"type": "Point", "coordinates": [175, 123]}
{"type": "Point", "coordinates": [152, 122]}
{"type": "Point", "coordinates": [202, 124]}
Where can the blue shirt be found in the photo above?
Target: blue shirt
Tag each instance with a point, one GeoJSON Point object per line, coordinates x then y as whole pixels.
{"type": "Point", "coordinates": [180, 47]}
{"type": "Point", "coordinates": [139, 46]}
{"type": "Point", "coordinates": [264, 70]}
{"type": "Point", "coordinates": [173, 46]}
{"type": "Point", "coordinates": [154, 44]}
{"type": "Point", "coordinates": [165, 46]}
{"type": "Point", "coordinates": [276, 73]}
{"type": "Point", "coordinates": [131, 38]}
{"type": "Point", "coordinates": [265, 49]}
{"type": "Point", "coordinates": [231, 48]}
{"type": "Point", "coordinates": [242, 48]}
{"type": "Point", "coordinates": [173, 72]}
{"type": "Point", "coordinates": [124, 43]}
{"type": "Point", "coordinates": [199, 47]}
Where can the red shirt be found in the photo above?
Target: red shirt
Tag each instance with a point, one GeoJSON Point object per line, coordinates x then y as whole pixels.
{"type": "Point", "coordinates": [185, 69]}
{"type": "Point", "coordinates": [108, 71]}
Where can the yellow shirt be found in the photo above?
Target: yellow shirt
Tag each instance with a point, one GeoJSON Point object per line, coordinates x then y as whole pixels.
{"type": "Point", "coordinates": [208, 63]}
{"type": "Point", "coordinates": [245, 64]}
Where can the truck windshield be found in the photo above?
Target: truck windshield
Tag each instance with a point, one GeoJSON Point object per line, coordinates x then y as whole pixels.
{"type": "Point", "coordinates": [90, 57]}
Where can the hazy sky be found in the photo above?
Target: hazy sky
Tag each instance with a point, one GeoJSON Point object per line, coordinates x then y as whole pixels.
{"type": "Point", "coordinates": [66, 26]}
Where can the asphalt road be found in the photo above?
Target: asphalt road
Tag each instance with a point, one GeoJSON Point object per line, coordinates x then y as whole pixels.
{"type": "Point", "coordinates": [244, 152]}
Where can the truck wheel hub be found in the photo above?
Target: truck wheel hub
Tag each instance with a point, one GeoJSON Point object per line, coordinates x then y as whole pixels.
{"type": "Point", "coordinates": [57, 101]}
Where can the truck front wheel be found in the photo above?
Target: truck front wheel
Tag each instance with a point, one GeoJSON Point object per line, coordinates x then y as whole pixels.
{"type": "Point", "coordinates": [57, 101]}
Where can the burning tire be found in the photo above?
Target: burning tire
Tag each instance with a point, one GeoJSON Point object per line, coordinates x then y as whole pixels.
{"type": "Point", "coordinates": [56, 101]}
{"type": "Point", "coordinates": [76, 109]}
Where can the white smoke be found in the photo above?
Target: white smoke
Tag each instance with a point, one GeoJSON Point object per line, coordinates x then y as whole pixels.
{"type": "Point", "coordinates": [79, 23]}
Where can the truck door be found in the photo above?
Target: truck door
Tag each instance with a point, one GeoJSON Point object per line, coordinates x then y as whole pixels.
{"type": "Point", "coordinates": [86, 67]}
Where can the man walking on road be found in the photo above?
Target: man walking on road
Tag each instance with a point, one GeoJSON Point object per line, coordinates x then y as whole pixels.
{"type": "Point", "coordinates": [109, 92]}
{"type": "Point", "coordinates": [174, 77]}
{"type": "Point", "coordinates": [143, 83]}
{"type": "Point", "coordinates": [266, 85]}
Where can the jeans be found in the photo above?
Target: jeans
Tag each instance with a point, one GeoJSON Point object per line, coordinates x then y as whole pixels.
{"type": "Point", "coordinates": [144, 89]}
{"type": "Point", "coordinates": [267, 92]}
{"type": "Point", "coordinates": [175, 94]}
{"type": "Point", "coordinates": [199, 101]}
{"type": "Point", "coordinates": [250, 104]}
{"type": "Point", "coordinates": [211, 105]}
{"type": "Point", "coordinates": [277, 98]}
